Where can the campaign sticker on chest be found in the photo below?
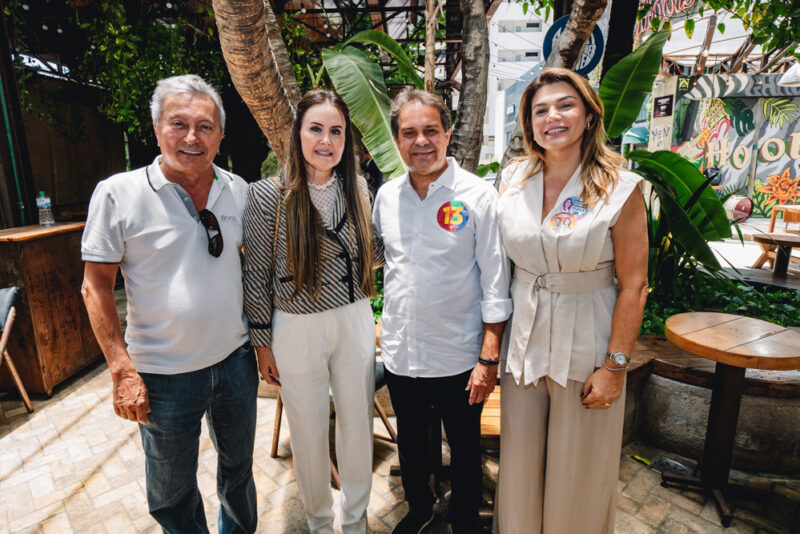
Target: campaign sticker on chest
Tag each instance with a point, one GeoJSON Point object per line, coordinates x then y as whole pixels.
{"type": "Point", "coordinates": [452, 216]}
{"type": "Point", "coordinates": [574, 207]}
{"type": "Point", "coordinates": [562, 223]}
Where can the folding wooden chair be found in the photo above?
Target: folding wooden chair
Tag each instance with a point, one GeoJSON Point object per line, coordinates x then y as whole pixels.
{"type": "Point", "coordinates": [7, 313]}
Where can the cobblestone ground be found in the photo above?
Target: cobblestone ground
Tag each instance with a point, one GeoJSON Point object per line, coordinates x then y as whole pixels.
{"type": "Point", "coordinates": [74, 467]}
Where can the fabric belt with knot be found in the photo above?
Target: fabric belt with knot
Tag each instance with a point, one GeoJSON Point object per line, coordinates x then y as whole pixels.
{"type": "Point", "coordinates": [525, 311]}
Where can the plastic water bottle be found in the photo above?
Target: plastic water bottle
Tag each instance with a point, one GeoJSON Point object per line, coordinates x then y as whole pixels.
{"type": "Point", "coordinates": [45, 210]}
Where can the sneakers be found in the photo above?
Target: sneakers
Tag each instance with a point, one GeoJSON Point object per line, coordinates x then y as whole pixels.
{"type": "Point", "coordinates": [414, 522]}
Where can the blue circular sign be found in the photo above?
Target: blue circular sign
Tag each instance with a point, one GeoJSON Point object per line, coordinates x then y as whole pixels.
{"type": "Point", "coordinates": [591, 53]}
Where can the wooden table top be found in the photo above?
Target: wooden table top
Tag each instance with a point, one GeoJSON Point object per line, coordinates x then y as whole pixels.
{"type": "Point", "coordinates": [35, 231]}
{"type": "Point", "coordinates": [786, 207]}
{"type": "Point", "coordinates": [735, 340]}
{"type": "Point", "coordinates": [784, 240]}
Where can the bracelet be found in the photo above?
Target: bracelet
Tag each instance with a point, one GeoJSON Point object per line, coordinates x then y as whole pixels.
{"type": "Point", "coordinates": [615, 368]}
{"type": "Point", "coordinates": [484, 361]}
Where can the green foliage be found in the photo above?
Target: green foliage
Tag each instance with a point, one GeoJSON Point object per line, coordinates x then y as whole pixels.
{"type": "Point", "coordinates": [683, 215]}
{"type": "Point", "coordinates": [486, 168]}
{"type": "Point", "coordinates": [688, 27]}
{"type": "Point", "coordinates": [703, 291]}
{"type": "Point", "coordinates": [538, 6]}
{"type": "Point", "coordinates": [774, 23]}
{"type": "Point", "coordinates": [306, 61]}
{"type": "Point", "coordinates": [628, 83]}
{"type": "Point", "coordinates": [689, 214]}
{"type": "Point", "coordinates": [391, 46]}
{"type": "Point", "coordinates": [124, 49]}
{"type": "Point", "coordinates": [377, 302]}
{"type": "Point", "coordinates": [360, 83]}
{"type": "Point", "coordinates": [271, 166]}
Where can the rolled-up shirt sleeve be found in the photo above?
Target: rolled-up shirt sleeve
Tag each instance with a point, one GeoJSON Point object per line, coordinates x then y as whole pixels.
{"type": "Point", "coordinates": [102, 240]}
{"type": "Point", "coordinates": [259, 230]}
{"type": "Point", "coordinates": [493, 264]}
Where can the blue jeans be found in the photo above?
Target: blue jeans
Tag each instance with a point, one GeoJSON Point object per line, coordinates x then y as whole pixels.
{"type": "Point", "coordinates": [226, 394]}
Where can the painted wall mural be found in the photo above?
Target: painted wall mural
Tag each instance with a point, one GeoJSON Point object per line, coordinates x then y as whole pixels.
{"type": "Point", "coordinates": [743, 135]}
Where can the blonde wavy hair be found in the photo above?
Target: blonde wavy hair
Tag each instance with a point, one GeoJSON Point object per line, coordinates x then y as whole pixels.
{"type": "Point", "coordinates": [599, 164]}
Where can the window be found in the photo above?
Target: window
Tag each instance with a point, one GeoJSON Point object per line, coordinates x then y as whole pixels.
{"type": "Point", "coordinates": [533, 54]}
{"type": "Point", "coordinates": [534, 26]}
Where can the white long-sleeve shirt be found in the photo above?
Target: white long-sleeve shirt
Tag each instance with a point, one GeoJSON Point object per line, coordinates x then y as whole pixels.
{"type": "Point", "coordinates": [446, 272]}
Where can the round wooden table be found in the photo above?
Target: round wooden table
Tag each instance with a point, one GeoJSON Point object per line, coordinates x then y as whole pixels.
{"type": "Point", "coordinates": [736, 343]}
{"type": "Point", "coordinates": [784, 243]}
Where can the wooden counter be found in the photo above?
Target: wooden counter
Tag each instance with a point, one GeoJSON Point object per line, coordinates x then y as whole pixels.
{"type": "Point", "coordinates": [52, 338]}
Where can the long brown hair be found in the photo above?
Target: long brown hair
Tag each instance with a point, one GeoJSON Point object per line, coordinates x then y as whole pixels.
{"type": "Point", "coordinates": [304, 226]}
{"type": "Point", "coordinates": [599, 164]}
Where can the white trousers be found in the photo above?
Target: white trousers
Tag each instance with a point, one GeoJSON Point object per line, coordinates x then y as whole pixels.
{"type": "Point", "coordinates": [559, 462]}
{"type": "Point", "coordinates": [316, 353]}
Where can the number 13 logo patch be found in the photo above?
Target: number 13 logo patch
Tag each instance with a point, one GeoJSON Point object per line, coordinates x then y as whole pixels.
{"type": "Point", "coordinates": [452, 216]}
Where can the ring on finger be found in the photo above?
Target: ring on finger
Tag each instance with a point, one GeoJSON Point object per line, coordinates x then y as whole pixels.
{"type": "Point", "coordinates": [606, 405]}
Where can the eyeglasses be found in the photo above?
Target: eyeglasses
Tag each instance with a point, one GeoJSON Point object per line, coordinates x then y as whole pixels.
{"type": "Point", "coordinates": [212, 231]}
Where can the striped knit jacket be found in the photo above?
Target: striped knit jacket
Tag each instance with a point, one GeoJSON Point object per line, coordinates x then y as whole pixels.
{"type": "Point", "coordinates": [264, 289]}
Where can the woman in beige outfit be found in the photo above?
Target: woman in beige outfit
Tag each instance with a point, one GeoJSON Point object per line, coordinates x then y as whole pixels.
{"type": "Point", "coordinates": [571, 218]}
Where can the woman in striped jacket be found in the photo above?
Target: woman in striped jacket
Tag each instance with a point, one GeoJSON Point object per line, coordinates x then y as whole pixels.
{"type": "Point", "coordinates": [309, 256]}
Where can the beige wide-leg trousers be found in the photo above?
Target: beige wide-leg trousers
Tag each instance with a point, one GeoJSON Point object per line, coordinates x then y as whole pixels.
{"type": "Point", "coordinates": [316, 353]}
{"type": "Point", "coordinates": [559, 462]}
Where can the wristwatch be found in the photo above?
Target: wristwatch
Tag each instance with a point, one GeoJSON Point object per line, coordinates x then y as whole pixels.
{"type": "Point", "coordinates": [620, 359]}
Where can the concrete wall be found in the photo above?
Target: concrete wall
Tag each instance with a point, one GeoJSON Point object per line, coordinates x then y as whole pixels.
{"type": "Point", "coordinates": [673, 416]}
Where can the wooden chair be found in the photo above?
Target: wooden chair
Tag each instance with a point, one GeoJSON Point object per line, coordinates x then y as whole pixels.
{"type": "Point", "coordinates": [380, 381]}
{"type": "Point", "coordinates": [7, 314]}
{"type": "Point", "coordinates": [791, 215]}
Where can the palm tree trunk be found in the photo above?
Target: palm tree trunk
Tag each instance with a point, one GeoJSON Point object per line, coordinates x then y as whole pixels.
{"type": "Point", "coordinates": [567, 49]}
{"type": "Point", "coordinates": [465, 143]}
{"type": "Point", "coordinates": [259, 66]}
{"type": "Point", "coordinates": [431, 23]}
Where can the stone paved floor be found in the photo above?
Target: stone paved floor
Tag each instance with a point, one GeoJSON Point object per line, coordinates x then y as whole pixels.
{"type": "Point", "coordinates": [74, 467]}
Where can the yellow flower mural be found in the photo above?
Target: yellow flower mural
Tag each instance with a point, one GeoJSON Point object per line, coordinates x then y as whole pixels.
{"type": "Point", "coordinates": [781, 188]}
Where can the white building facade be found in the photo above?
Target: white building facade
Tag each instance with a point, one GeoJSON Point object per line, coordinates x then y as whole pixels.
{"type": "Point", "coordinates": [515, 46]}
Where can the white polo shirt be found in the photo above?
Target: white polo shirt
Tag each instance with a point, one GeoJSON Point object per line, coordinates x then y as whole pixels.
{"type": "Point", "coordinates": [184, 306]}
{"type": "Point", "coordinates": [446, 272]}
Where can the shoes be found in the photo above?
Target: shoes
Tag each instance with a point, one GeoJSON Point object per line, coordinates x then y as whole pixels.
{"type": "Point", "coordinates": [414, 522]}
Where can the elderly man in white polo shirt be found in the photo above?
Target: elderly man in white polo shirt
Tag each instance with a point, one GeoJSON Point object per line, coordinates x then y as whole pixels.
{"type": "Point", "coordinates": [446, 301]}
{"type": "Point", "coordinates": [174, 228]}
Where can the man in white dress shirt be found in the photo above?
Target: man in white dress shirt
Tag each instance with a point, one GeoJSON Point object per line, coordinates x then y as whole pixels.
{"type": "Point", "coordinates": [446, 301]}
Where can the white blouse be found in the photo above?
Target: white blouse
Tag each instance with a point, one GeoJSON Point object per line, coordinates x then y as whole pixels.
{"type": "Point", "coordinates": [324, 198]}
{"type": "Point", "coordinates": [559, 333]}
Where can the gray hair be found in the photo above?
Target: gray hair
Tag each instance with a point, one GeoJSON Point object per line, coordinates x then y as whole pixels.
{"type": "Point", "coordinates": [185, 83]}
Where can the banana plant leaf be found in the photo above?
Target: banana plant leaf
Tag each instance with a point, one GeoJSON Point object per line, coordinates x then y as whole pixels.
{"type": "Point", "coordinates": [391, 46]}
{"type": "Point", "coordinates": [627, 84]}
{"type": "Point", "coordinates": [360, 84]}
{"type": "Point", "coordinates": [671, 170]}
{"type": "Point", "coordinates": [681, 228]}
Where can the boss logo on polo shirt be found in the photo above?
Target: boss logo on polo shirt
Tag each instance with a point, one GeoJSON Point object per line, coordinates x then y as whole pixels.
{"type": "Point", "coordinates": [452, 216]}
{"type": "Point", "coordinates": [227, 218]}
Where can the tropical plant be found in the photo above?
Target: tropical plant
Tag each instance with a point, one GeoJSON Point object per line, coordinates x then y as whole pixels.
{"type": "Point", "coordinates": [628, 83]}
{"type": "Point", "coordinates": [689, 214]}
{"type": "Point", "coordinates": [359, 82]}
{"type": "Point", "coordinates": [684, 213]}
